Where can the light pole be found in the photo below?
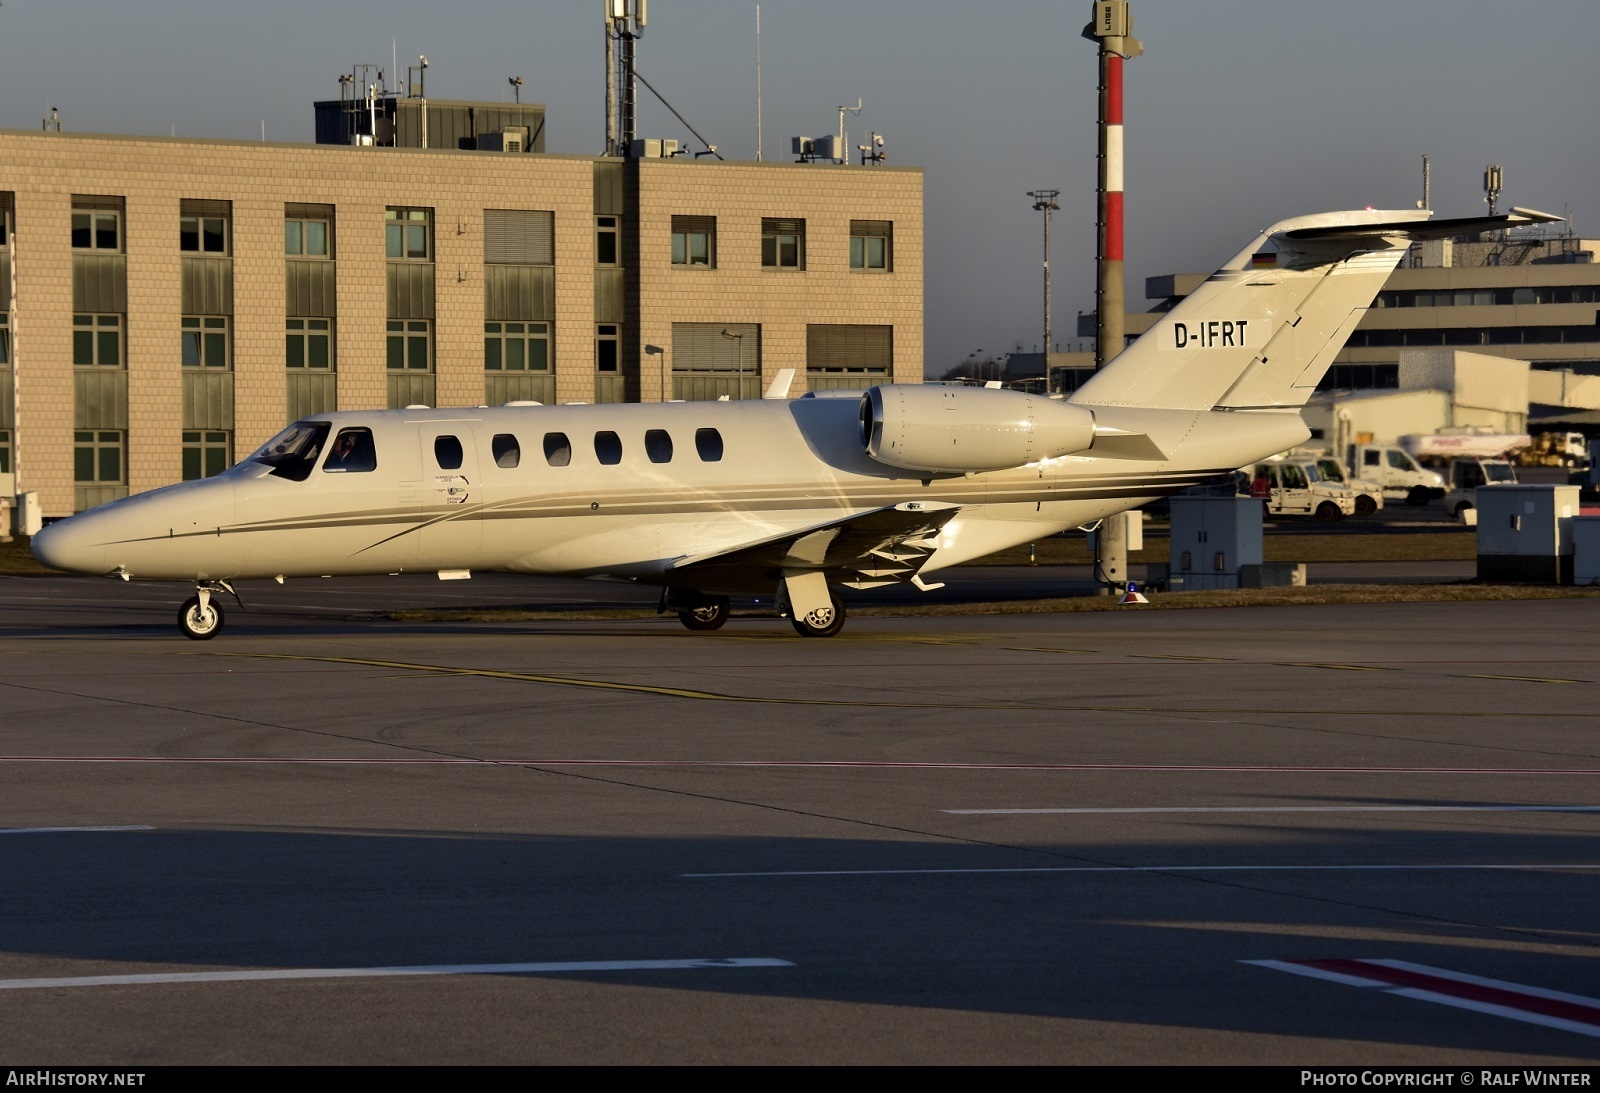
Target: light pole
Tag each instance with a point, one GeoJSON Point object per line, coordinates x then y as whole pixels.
{"type": "Point", "coordinates": [738, 347]}
{"type": "Point", "coordinates": [1045, 202]}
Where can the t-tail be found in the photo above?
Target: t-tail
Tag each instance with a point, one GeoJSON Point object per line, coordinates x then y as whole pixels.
{"type": "Point", "coordinates": [1260, 332]}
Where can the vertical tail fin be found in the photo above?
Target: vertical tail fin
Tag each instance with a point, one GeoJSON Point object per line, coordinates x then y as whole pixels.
{"type": "Point", "coordinates": [1262, 330]}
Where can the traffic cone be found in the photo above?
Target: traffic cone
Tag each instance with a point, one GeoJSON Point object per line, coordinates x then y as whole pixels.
{"type": "Point", "coordinates": [1132, 595]}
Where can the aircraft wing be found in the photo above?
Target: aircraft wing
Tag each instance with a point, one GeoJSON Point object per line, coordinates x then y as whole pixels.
{"type": "Point", "coordinates": [883, 546]}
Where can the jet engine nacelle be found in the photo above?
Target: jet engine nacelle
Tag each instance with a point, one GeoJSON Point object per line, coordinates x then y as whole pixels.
{"type": "Point", "coordinates": [959, 430]}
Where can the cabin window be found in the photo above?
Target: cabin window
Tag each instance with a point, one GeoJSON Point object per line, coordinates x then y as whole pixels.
{"type": "Point", "coordinates": [608, 448]}
{"type": "Point", "coordinates": [557, 449]}
{"type": "Point", "coordinates": [507, 452]}
{"type": "Point", "coordinates": [658, 445]}
{"type": "Point", "coordinates": [447, 452]}
{"type": "Point", "coordinates": [352, 450]}
{"type": "Point", "coordinates": [708, 442]}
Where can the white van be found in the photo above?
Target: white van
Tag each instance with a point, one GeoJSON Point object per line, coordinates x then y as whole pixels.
{"type": "Point", "coordinates": [1291, 487]}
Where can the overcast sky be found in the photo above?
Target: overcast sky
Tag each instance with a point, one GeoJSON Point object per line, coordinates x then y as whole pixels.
{"type": "Point", "coordinates": [1240, 112]}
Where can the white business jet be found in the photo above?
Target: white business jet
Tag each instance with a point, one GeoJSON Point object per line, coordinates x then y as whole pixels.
{"type": "Point", "coordinates": [792, 496]}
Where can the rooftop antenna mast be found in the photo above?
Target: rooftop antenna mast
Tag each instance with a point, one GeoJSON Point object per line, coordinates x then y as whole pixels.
{"type": "Point", "coordinates": [1493, 180]}
{"type": "Point", "coordinates": [758, 83]}
{"type": "Point", "coordinates": [844, 144]}
{"type": "Point", "coordinates": [1427, 189]}
{"type": "Point", "coordinates": [625, 22]}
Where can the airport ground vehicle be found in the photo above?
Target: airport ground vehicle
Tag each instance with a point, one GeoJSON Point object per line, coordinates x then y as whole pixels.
{"type": "Point", "coordinates": [797, 496]}
{"type": "Point", "coordinates": [1368, 494]}
{"type": "Point", "coordinates": [1467, 474]}
{"type": "Point", "coordinates": [1297, 487]}
{"type": "Point", "coordinates": [1397, 472]}
{"type": "Point", "coordinates": [1569, 450]}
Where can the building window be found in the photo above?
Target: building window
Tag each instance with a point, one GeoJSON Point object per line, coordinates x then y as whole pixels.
{"type": "Point", "coordinates": [845, 356]}
{"type": "Point", "coordinates": [203, 234]}
{"type": "Point", "coordinates": [516, 347]}
{"type": "Point", "coordinates": [100, 229]}
{"type": "Point", "coordinates": [206, 454]}
{"type": "Point", "coordinates": [205, 341]}
{"type": "Point", "coordinates": [97, 458]}
{"type": "Point", "coordinates": [406, 234]}
{"type": "Point", "coordinates": [694, 241]}
{"type": "Point", "coordinates": [5, 339]}
{"type": "Point", "coordinates": [607, 346]}
{"type": "Point", "coordinates": [409, 345]}
{"type": "Point", "coordinates": [5, 451]}
{"type": "Point", "coordinates": [607, 230]}
{"type": "Point", "coordinates": [872, 244]}
{"type": "Point", "coordinates": [783, 243]}
{"type": "Point", "coordinates": [519, 237]}
{"type": "Point", "coordinates": [97, 341]}
{"type": "Point", "coordinates": [308, 343]}
{"type": "Point", "coordinates": [306, 238]}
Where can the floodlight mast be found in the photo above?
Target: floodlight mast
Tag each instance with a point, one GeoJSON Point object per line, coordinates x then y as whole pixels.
{"type": "Point", "coordinates": [1045, 202]}
{"type": "Point", "coordinates": [1110, 26]}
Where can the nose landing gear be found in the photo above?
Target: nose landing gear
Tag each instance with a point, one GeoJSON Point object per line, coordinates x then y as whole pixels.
{"type": "Point", "coordinates": [201, 617]}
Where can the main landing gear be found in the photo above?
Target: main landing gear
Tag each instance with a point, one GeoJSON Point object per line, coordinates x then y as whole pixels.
{"type": "Point", "coordinates": [820, 622]}
{"type": "Point", "coordinates": [201, 616]}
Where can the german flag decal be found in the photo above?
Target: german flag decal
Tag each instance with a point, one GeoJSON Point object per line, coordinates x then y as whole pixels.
{"type": "Point", "coordinates": [1264, 259]}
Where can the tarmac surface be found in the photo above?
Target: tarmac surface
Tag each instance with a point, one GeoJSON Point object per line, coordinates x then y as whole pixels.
{"type": "Point", "coordinates": [1358, 834]}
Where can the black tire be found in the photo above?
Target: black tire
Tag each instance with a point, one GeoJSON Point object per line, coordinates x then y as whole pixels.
{"type": "Point", "coordinates": [198, 627]}
{"type": "Point", "coordinates": [1328, 512]}
{"type": "Point", "coordinates": [1419, 496]}
{"type": "Point", "coordinates": [709, 614]}
{"type": "Point", "coordinates": [821, 628]}
{"type": "Point", "coordinates": [1366, 507]}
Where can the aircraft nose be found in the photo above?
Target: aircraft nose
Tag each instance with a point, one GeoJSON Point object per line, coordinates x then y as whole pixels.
{"type": "Point", "coordinates": [74, 544]}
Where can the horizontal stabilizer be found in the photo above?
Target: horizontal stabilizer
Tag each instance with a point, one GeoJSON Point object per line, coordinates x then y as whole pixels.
{"type": "Point", "coordinates": [1423, 229]}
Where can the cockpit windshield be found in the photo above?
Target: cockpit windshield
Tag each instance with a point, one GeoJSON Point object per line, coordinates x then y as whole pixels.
{"type": "Point", "coordinates": [292, 453]}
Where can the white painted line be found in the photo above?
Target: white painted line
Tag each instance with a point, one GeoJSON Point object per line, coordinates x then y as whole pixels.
{"type": "Point", "coordinates": [1268, 808]}
{"type": "Point", "coordinates": [62, 830]}
{"type": "Point", "coordinates": [1315, 973]}
{"type": "Point", "coordinates": [1531, 866]}
{"type": "Point", "coordinates": [555, 967]}
{"type": "Point", "coordinates": [1531, 1005]}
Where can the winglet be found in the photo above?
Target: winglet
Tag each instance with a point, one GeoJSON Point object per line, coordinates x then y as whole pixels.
{"type": "Point", "coordinates": [779, 387]}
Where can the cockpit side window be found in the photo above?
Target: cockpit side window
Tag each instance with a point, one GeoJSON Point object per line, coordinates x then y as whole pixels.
{"type": "Point", "coordinates": [447, 452]}
{"type": "Point", "coordinates": [352, 451]}
{"type": "Point", "coordinates": [292, 453]}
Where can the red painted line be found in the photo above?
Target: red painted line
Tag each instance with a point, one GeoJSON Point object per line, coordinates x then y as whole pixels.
{"type": "Point", "coordinates": [799, 763]}
{"type": "Point", "coordinates": [1114, 225]}
{"type": "Point", "coordinates": [1507, 996]}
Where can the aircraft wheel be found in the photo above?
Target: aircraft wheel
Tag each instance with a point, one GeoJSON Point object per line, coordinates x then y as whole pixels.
{"type": "Point", "coordinates": [822, 623]}
{"type": "Point", "coordinates": [1365, 506]}
{"type": "Point", "coordinates": [199, 625]}
{"type": "Point", "coordinates": [1328, 512]}
{"type": "Point", "coordinates": [707, 615]}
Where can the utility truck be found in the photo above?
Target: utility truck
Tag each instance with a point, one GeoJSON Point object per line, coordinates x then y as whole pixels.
{"type": "Point", "coordinates": [1290, 486]}
{"type": "Point", "coordinates": [1397, 473]}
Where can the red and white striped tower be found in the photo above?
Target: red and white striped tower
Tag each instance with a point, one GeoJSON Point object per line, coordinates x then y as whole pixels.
{"type": "Point", "coordinates": [1110, 27]}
